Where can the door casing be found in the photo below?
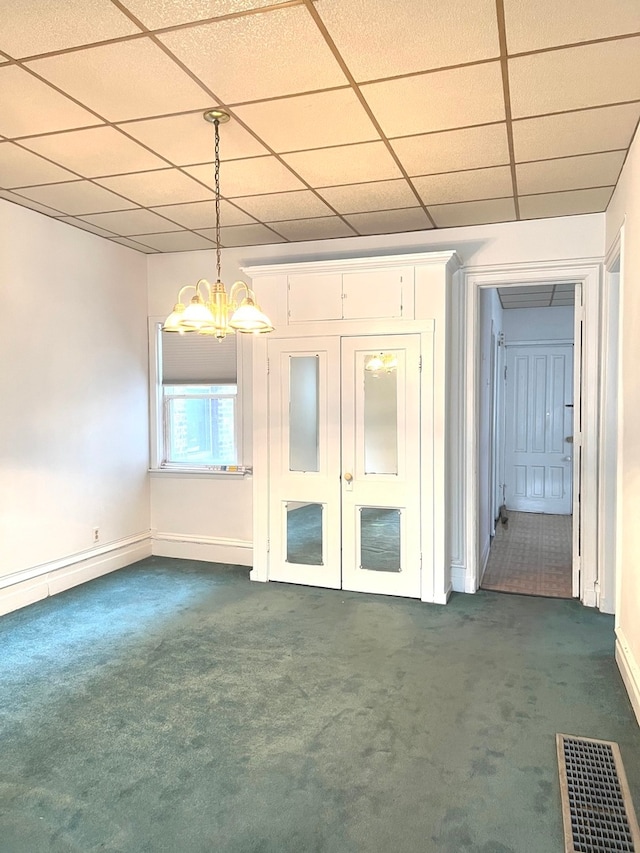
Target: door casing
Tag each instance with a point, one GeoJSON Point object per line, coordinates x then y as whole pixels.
{"type": "Point", "coordinates": [587, 276]}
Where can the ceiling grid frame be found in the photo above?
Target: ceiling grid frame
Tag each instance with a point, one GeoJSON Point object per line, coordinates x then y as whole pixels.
{"type": "Point", "coordinates": [354, 211]}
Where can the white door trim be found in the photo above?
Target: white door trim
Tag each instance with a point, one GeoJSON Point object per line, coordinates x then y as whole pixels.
{"type": "Point", "coordinates": [609, 516]}
{"type": "Point", "coordinates": [588, 273]}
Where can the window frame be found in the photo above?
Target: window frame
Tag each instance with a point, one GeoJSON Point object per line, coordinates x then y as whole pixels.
{"type": "Point", "coordinates": [157, 426]}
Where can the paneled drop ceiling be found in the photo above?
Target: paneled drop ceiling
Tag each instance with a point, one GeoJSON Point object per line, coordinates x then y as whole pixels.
{"type": "Point", "coordinates": [348, 116]}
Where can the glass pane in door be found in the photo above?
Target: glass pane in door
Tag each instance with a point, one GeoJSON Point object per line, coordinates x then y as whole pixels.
{"type": "Point", "coordinates": [303, 413]}
{"type": "Point", "coordinates": [380, 425]}
{"type": "Point", "coordinates": [304, 533]}
{"type": "Point", "coordinates": [380, 539]}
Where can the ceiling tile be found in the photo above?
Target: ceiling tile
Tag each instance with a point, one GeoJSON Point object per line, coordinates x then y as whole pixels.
{"type": "Point", "coordinates": [189, 139]}
{"type": "Point", "coordinates": [20, 168]}
{"type": "Point", "coordinates": [202, 214]}
{"type": "Point", "coordinates": [95, 151]}
{"type": "Point", "coordinates": [151, 189]}
{"type": "Point", "coordinates": [30, 203]}
{"type": "Point", "coordinates": [389, 221]}
{"type": "Point", "coordinates": [177, 241]}
{"type": "Point", "coordinates": [302, 204]}
{"type": "Point", "coordinates": [133, 244]}
{"type": "Point", "coordinates": [245, 235]}
{"type": "Point", "coordinates": [453, 150]}
{"type": "Point", "coordinates": [377, 195]}
{"type": "Point", "coordinates": [569, 173]}
{"type": "Point", "coordinates": [573, 78]}
{"type": "Point", "coordinates": [309, 121]}
{"type": "Point", "coordinates": [473, 212]}
{"type": "Point", "coordinates": [381, 39]}
{"type": "Point", "coordinates": [347, 164]}
{"type": "Point", "coordinates": [156, 15]}
{"type": "Point", "coordinates": [243, 177]}
{"type": "Point", "coordinates": [128, 222]}
{"type": "Point", "coordinates": [584, 132]}
{"type": "Point", "coordinates": [441, 100]}
{"type": "Point", "coordinates": [278, 53]}
{"type": "Point", "coordinates": [535, 24]}
{"type": "Point", "coordinates": [565, 204]}
{"type": "Point", "coordinates": [30, 28]}
{"type": "Point", "coordinates": [465, 186]}
{"type": "Point", "coordinates": [132, 79]}
{"type": "Point", "coordinates": [526, 290]}
{"type": "Point", "coordinates": [322, 228]}
{"type": "Point", "coordinates": [79, 197]}
{"type": "Point", "coordinates": [27, 105]}
{"type": "Point", "coordinates": [86, 226]}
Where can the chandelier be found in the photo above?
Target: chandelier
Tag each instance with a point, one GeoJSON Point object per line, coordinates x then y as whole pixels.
{"type": "Point", "coordinates": [211, 311]}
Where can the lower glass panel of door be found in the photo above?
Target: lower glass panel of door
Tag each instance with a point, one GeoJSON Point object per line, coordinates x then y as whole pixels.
{"type": "Point", "coordinates": [380, 538]}
{"type": "Point", "coordinates": [304, 533]}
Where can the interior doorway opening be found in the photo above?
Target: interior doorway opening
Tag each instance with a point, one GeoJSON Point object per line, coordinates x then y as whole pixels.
{"type": "Point", "coordinates": [529, 411]}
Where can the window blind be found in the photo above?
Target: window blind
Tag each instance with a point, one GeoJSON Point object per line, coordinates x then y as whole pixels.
{"type": "Point", "coordinates": [193, 359]}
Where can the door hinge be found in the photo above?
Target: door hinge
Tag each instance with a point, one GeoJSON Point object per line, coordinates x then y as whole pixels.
{"type": "Point", "coordinates": [420, 364]}
{"type": "Point", "coordinates": [268, 546]}
{"type": "Point", "coordinates": [268, 367]}
{"type": "Point", "coordinates": [500, 339]}
{"type": "Point", "coordinates": [505, 373]}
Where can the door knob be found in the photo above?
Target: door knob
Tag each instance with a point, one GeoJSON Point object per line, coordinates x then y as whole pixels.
{"type": "Point", "coordinates": [348, 477]}
{"type": "Point", "coordinates": [569, 439]}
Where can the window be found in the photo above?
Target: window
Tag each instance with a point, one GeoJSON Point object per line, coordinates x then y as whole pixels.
{"type": "Point", "coordinates": [199, 425]}
{"type": "Point", "coordinates": [198, 407]}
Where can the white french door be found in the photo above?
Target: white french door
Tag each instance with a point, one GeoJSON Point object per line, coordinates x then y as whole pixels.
{"type": "Point", "coordinates": [344, 471]}
{"type": "Point", "coordinates": [538, 452]}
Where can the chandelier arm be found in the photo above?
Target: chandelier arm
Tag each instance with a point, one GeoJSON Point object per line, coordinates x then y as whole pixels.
{"type": "Point", "coordinates": [203, 281]}
{"type": "Point", "coordinates": [236, 287]}
{"type": "Point", "coordinates": [182, 290]}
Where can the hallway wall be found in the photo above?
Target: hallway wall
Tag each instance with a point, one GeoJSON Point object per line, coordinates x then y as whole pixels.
{"type": "Point", "coordinates": [624, 209]}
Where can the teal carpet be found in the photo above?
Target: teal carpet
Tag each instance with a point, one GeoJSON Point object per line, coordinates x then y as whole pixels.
{"type": "Point", "coordinates": [175, 706]}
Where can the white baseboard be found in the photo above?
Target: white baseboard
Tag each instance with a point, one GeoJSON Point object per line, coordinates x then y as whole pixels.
{"type": "Point", "coordinates": [459, 582]}
{"type": "Point", "coordinates": [236, 552]}
{"type": "Point", "coordinates": [629, 670]}
{"type": "Point", "coordinates": [442, 598]}
{"type": "Point", "coordinates": [34, 584]}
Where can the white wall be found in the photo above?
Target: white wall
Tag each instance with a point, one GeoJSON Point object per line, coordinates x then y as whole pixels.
{"type": "Point", "coordinates": [538, 324]}
{"type": "Point", "coordinates": [624, 208]}
{"type": "Point", "coordinates": [177, 501]}
{"type": "Point", "coordinates": [73, 385]}
{"type": "Point", "coordinates": [491, 318]}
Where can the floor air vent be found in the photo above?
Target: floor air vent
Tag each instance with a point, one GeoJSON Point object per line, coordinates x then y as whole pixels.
{"type": "Point", "coordinates": [596, 804]}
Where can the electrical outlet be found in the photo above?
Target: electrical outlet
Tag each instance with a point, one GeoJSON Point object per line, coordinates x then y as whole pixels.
{"type": "Point", "coordinates": [96, 534]}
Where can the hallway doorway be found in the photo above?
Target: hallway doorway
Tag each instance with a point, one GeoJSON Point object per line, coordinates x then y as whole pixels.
{"type": "Point", "coordinates": [527, 352]}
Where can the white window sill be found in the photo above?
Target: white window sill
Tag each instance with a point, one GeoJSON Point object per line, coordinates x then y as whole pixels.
{"type": "Point", "coordinates": [213, 472]}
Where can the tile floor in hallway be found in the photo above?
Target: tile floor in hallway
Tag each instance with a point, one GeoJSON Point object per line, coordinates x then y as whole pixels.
{"type": "Point", "coordinates": [531, 555]}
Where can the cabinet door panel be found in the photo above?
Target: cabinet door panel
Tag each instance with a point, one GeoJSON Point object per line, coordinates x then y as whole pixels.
{"type": "Point", "coordinates": [375, 293]}
{"type": "Point", "coordinates": [315, 297]}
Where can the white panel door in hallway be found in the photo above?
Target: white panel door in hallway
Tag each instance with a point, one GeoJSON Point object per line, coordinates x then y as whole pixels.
{"type": "Point", "coordinates": [344, 466]}
{"type": "Point", "coordinates": [538, 453]}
